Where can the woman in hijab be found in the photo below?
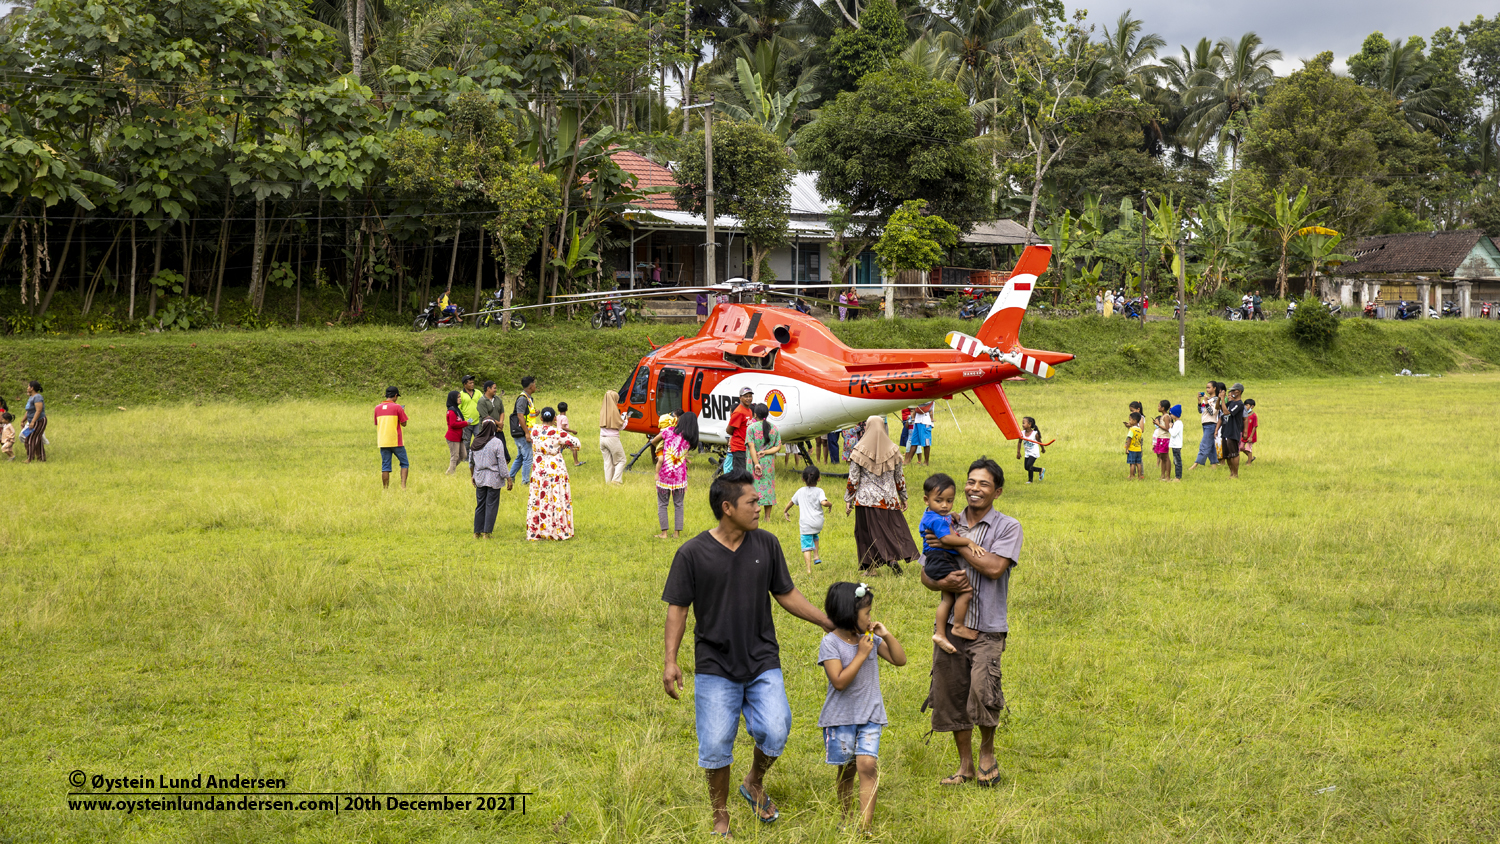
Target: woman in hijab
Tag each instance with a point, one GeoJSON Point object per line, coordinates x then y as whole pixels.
{"type": "Point", "coordinates": [455, 436]}
{"type": "Point", "coordinates": [487, 458]}
{"type": "Point", "coordinates": [610, 425]}
{"type": "Point", "coordinates": [876, 494]}
{"type": "Point", "coordinates": [549, 510]}
{"type": "Point", "coordinates": [763, 441]}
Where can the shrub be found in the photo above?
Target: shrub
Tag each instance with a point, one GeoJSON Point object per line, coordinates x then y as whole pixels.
{"type": "Point", "coordinates": [1206, 342]}
{"type": "Point", "coordinates": [1313, 326]}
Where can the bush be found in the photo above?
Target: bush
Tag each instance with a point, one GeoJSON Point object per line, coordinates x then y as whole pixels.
{"type": "Point", "coordinates": [1313, 326]}
{"type": "Point", "coordinates": [1206, 342]}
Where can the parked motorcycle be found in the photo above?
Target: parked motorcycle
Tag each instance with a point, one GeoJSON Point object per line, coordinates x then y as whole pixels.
{"type": "Point", "coordinates": [610, 314]}
{"type": "Point", "coordinates": [1484, 310]}
{"type": "Point", "coordinates": [491, 320]}
{"type": "Point", "coordinates": [1413, 310]}
{"type": "Point", "coordinates": [1333, 307]}
{"type": "Point", "coordinates": [1291, 308]}
{"type": "Point", "coordinates": [977, 307]}
{"type": "Point", "coordinates": [1370, 310]}
{"type": "Point", "coordinates": [1133, 309]}
{"type": "Point", "coordinates": [1450, 308]}
{"type": "Point", "coordinates": [436, 317]}
{"type": "Point", "coordinates": [1234, 314]}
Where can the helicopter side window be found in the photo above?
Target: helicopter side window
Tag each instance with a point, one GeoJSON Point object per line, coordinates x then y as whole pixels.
{"type": "Point", "coordinates": [669, 386]}
{"type": "Point", "coordinates": [642, 382]}
{"type": "Point", "coordinates": [767, 363]}
{"type": "Point", "coordinates": [697, 388]}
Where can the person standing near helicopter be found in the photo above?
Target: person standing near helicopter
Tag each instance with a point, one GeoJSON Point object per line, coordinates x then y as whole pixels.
{"type": "Point", "coordinates": [738, 426]}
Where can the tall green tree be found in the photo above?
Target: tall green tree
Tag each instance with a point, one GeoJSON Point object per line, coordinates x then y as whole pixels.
{"type": "Point", "coordinates": [901, 135]}
{"type": "Point", "coordinates": [752, 177]}
{"type": "Point", "coordinates": [912, 240]}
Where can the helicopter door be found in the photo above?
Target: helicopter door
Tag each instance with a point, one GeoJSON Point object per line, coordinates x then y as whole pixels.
{"type": "Point", "coordinates": [669, 387]}
{"type": "Point", "coordinates": [637, 394]}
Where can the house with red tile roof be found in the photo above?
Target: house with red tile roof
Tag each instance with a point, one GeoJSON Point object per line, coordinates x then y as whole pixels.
{"type": "Point", "coordinates": [667, 243]}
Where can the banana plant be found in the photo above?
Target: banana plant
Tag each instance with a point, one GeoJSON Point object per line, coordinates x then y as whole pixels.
{"type": "Point", "coordinates": [574, 262]}
{"type": "Point", "coordinates": [774, 112]}
{"type": "Point", "coordinates": [1316, 245]}
{"type": "Point", "coordinates": [1283, 219]}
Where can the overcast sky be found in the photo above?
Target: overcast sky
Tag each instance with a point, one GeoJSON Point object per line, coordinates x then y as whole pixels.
{"type": "Point", "coordinates": [1298, 28]}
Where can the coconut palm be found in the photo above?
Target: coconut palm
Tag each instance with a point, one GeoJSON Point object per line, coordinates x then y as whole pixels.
{"type": "Point", "coordinates": [1177, 74]}
{"type": "Point", "coordinates": [1405, 74]}
{"type": "Point", "coordinates": [1222, 95]}
{"type": "Point", "coordinates": [1129, 56]}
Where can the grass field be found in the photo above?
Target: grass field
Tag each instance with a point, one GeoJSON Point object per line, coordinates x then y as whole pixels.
{"type": "Point", "coordinates": [1307, 654]}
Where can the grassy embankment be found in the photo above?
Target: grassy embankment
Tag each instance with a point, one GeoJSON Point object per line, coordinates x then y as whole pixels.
{"type": "Point", "coordinates": [360, 362]}
{"type": "Point", "coordinates": [1306, 654]}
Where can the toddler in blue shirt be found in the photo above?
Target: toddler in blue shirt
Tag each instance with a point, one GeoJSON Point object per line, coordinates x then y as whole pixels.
{"type": "Point", "coordinates": [939, 559]}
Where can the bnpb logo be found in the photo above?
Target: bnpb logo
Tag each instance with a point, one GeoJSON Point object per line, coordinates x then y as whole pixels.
{"type": "Point", "coordinates": [776, 401]}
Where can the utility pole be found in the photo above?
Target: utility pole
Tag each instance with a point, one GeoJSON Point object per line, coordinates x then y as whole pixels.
{"type": "Point", "coordinates": [1181, 306]}
{"type": "Point", "coordinates": [708, 193]}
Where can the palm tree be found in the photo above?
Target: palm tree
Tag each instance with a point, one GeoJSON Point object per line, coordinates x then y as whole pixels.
{"type": "Point", "coordinates": [1223, 94]}
{"type": "Point", "coordinates": [1405, 74]}
{"type": "Point", "coordinates": [1177, 76]}
{"type": "Point", "coordinates": [1128, 54]}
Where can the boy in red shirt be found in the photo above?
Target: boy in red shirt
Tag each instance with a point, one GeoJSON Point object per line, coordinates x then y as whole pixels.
{"type": "Point", "coordinates": [739, 421]}
{"type": "Point", "coordinates": [1252, 422]}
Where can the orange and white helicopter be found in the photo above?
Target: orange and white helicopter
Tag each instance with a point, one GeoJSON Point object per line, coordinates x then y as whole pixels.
{"type": "Point", "coordinates": [813, 384]}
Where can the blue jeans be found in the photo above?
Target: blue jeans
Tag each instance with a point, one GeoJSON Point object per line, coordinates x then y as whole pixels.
{"type": "Point", "coordinates": [718, 703]}
{"type": "Point", "coordinates": [523, 460]}
{"type": "Point", "coordinates": [1206, 448]}
{"type": "Point", "coordinates": [387, 452]}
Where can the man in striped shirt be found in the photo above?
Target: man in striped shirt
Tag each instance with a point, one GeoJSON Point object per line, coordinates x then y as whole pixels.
{"type": "Point", "coordinates": [390, 418]}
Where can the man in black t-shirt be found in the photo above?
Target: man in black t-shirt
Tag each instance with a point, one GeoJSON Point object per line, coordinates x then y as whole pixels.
{"type": "Point", "coordinates": [1232, 427]}
{"type": "Point", "coordinates": [728, 576]}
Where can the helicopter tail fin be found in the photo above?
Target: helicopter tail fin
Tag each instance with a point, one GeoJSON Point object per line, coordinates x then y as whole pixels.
{"type": "Point", "coordinates": [994, 401]}
{"type": "Point", "coordinates": [1003, 324]}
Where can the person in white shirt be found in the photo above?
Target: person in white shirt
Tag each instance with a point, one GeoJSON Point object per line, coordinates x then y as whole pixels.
{"type": "Point", "coordinates": [921, 435]}
{"type": "Point", "coordinates": [812, 501]}
{"type": "Point", "coordinates": [1031, 442]}
{"type": "Point", "coordinates": [1174, 440]}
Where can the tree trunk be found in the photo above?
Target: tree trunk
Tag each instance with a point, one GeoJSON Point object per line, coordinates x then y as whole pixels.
{"type": "Point", "coordinates": [223, 257]}
{"type": "Point", "coordinates": [134, 256]}
{"type": "Point", "coordinates": [258, 256]}
{"type": "Point", "coordinates": [478, 269]}
{"type": "Point", "coordinates": [453, 260]}
{"type": "Point", "coordinates": [187, 254]}
{"type": "Point", "coordinates": [10, 230]}
{"type": "Point", "coordinates": [156, 270]}
{"type": "Point", "coordinates": [61, 261]}
{"type": "Point", "coordinates": [88, 296]}
{"type": "Point", "coordinates": [297, 317]}
{"type": "Point", "coordinates": [354, 17]}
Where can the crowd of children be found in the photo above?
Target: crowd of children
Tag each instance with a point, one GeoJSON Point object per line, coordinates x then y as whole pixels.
{"type": "Point", "coordinates": [1231, 428]}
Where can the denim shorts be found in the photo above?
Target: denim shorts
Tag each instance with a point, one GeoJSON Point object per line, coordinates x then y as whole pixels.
{"type": "Point", "coordinates": [1132, 457]}
{"type": "Point", "coordinates": [718, 703]}
{"type": "Point", "coordinates": [810, 541]}
{"type": "Point", "coordinates": [385, 457]}
{"type": "Point", "coordinates": [851, 740]}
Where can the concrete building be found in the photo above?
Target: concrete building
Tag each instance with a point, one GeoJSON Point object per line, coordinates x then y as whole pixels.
{"type": "Point", "coordinates": [1462, 267]}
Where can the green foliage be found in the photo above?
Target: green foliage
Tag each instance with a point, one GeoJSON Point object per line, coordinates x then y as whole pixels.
{"type": "Point", "coordinates": [1206, 341]}
{"type": "Point", "coordinates": [752, 176]}
{"type": "Point", "coordinates": [854, 53]}
{"type": "Point", "coordinates": [1331, 136]}
{"type": "Point", "coordinates": [901, 135]}
{"type": "Point", "coordinates": [914, 241]}
{"type": "Point", "coordinates": [1313, 326]}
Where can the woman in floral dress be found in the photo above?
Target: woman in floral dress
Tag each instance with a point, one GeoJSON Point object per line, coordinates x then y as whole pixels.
{"type": "Point", "coordinates": [549, 510]}
{"type": "Point", "coordinates": [876, 495]}
{"type": "Point", "coordinates": [677, 442]}
{"type": "Point", "coordinates": [763, 441]}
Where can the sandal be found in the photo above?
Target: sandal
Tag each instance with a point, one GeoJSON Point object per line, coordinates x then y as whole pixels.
{"type": "Point", "coordinates": [986, 781]}
{"type": "Point", "coordinates": [758, 807]}
{"type": "Point", "coordinates": [955, 779]}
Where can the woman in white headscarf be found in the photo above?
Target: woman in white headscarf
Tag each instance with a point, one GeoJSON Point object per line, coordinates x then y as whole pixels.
{"type": "Point", "coordinates": [610, 425]}
{"type": "Point", "coordinates": [876, 494]}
